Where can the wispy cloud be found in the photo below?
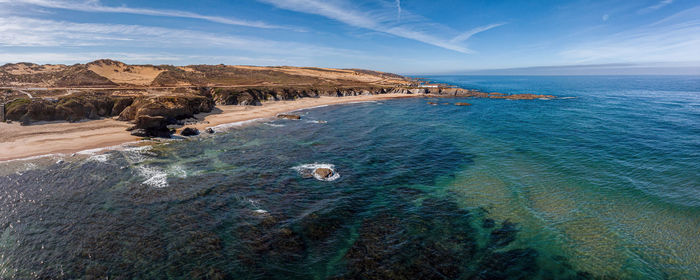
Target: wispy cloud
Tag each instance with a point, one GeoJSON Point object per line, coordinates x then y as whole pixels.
{"type": "Point", "coordinates": [29, 32]}
{"type": "Point", "coordinates": [675, 38]}
{"type": "Point", "coordinates": [96, 6]}
{"type": "Point", "coordinates": [398, 9]}
{"type": "Point", "coordinates": [661, 4]}
{"type": "Point", "coordinates": [375, 20]}
{"type": "Point", "coordinates": [466, 35]}
{"type": "Point", "coordinates": [133, 58]}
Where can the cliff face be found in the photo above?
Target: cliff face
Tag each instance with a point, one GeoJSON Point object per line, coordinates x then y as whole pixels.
{"type": "Point", "coordinates": [147, 94]}
{"type": "Point", "coordinates": [173, 108]}
{"type": "Point", "coordinates": [70, 108]}
{"type": "Point", "coordinates": [188, 102]}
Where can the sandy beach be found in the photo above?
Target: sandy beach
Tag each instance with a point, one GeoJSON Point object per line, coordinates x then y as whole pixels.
{"type": "Point", "coordinates": [18, 142]}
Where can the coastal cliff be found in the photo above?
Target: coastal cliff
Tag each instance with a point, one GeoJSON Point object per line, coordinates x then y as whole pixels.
{"type": "Point", "coordinates": [106, 88]}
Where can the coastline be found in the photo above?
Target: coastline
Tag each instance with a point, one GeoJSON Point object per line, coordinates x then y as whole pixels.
{"type": "Point", "coordinates": [19, 142]}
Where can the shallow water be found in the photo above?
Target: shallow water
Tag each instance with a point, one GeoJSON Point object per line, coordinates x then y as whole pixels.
{"type": "Point", "coordinates": [606, 184]}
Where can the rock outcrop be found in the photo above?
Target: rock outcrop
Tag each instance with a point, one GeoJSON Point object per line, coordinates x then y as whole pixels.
{"type": "Point", "coordinates": [173, 108]}
{"type": "Point", "coordinates": [323, 173]}
{"type": "Point", "coordinates": [71, 108]}
{"type": "Point", "coordinates": [526, 96]}
{"type": "Point", "coordinates": [111, 88]}
{"type": "Point", "coordinates": [463, 104]}
{"type": "Point", "coordinates": [289, 116]}
{"type": "Point", "coordinates": [189, 131]}
{"type": "Point", "coordinates": [151, 126]}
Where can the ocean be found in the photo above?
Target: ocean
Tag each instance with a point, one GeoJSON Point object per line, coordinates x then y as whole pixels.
{"type": "Point", "coordinates": [602, 182]}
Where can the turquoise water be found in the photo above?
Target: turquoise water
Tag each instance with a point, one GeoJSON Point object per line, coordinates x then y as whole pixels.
{"type": "Point", "coordinates": [603, 185]}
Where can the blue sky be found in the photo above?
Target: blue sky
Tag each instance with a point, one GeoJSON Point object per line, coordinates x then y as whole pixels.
{"type": "Point", "coordinates": [406, 36]}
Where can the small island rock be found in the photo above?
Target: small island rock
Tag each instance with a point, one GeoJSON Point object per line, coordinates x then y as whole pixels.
{"type": "Point", "coordinates": [323, 172]}
{"type": "Point", "coordinates": [289, 116]}
{"type": "Point", "coordinates": [462, 104]}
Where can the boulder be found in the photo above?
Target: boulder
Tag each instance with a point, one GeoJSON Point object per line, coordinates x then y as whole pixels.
{"type": "Point", "coordinates": [150, 126]}
{"type": "Point", "coordinates": [289, 116]}
{"type": "Point", "coordinates": [323, 172]}
{"type": "Point", "coordinates": [175, 107]}
{"type": "Point", "coordinates": [188, 131]}
{"type": "Point", "coordinates": [462, 104]}
{"type": "Point", "coordinates": [209, 130]}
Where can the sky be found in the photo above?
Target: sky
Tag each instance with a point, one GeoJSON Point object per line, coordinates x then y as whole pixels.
{"type": "Point", "coordinates": [400, 36]}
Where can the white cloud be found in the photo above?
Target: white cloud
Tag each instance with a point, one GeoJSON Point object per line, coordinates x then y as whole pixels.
{"type": "Point", "coordinates": [134, 58]}
{"type": "Point", "coordinates": [398, 9]}
{"type": "Point", "coordinates": [375, 20]}
{"type": "Point", "coordinates": [466, 35]}
{"type": "Point", "coordinates": [661, 4]}
{"type": "Point", "coordinates": [96, 6]}
{"type": "Point", "coordinates": [29, 32]}
{"type": "Point", "coordinates": [675, 38]}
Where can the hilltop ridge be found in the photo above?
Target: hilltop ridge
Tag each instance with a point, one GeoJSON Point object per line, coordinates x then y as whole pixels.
{"type": "Point", "coordinates": [107, 73]}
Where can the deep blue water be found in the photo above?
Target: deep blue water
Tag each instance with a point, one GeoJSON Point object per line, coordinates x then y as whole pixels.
{"type": "Point", "coordinates": [605, 184]}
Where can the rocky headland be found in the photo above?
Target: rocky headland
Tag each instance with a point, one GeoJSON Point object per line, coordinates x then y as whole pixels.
{"type": "Point", "coordinates": [152, 100]}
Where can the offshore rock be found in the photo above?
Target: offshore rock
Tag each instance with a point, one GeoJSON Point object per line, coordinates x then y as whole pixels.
{"type": "Point", "coordinates": [525, 96]}
{"type": "Point", "coordinates": [289, 116]}
{"type": "Point", "coordinates": [323, 172]}
{"type": "Point", "coordinates": [462, 104]}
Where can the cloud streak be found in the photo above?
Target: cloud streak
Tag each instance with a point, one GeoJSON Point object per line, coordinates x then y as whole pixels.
{"type": "Point", "coordinates": [661, 4]}
{"type": "Point", "coordinates": [398, 9]}
{"type": "Point", "coordinates": [345, 12]}
{"type": "Point", "coordinates": [29, 32]}
{"type": "Point", "coordinates": [95, 6]}
{"type": "Point", "coordinates": [466, 35]}
{"type": "Point", "coordinates": [675, 38]}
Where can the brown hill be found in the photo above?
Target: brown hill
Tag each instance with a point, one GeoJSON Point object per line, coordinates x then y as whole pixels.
{"type": "Point", "coordinates": [109, 73]}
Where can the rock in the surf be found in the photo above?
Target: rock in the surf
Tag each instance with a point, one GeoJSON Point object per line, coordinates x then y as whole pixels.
{"type": "Point", "coordinates": [462, 104]}
{"type": "Point", "coordinates": [323, 172]}
{"type": "Point", "coordinates": [289, 116]}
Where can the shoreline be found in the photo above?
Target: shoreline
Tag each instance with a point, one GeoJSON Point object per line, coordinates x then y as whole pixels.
{"type": "Point", "coordinates": [20, 142]}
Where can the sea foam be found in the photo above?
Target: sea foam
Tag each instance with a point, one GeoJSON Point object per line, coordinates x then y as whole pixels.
{"type": "Point", "coordinates": [227, 126]}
